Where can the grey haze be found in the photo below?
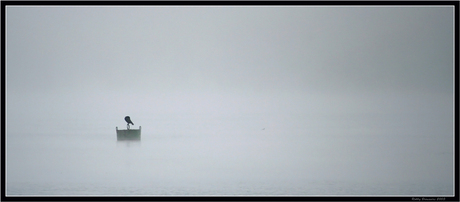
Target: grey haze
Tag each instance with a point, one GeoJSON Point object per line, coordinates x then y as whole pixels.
{"type": "Point", "coordinates": [354, 100]}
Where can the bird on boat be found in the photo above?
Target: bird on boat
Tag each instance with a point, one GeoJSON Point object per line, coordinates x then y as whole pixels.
{"type": "Point", "coordinates": [128, 120]}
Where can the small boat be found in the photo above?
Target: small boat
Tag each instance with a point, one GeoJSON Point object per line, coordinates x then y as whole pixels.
{"type": "Point", "coordinates": [129, 134]}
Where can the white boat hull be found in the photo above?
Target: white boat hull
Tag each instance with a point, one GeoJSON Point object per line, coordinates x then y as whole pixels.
{"type": "Point", "coordinates": [129, 134]}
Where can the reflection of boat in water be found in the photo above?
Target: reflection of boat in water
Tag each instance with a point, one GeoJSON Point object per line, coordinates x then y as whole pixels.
{"type": "Point", "coordinates": [129, 134]}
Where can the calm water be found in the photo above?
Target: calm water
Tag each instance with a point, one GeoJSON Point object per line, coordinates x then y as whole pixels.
{"type": "Point", "coordinates": [235, 156]}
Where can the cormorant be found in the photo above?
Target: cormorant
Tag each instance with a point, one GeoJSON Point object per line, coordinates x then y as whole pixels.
{"type": "Point", "coordinates": [128, 120]}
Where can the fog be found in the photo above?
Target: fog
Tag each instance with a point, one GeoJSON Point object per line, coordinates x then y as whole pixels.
{"type": "Point", "coordinates": [231, 100]}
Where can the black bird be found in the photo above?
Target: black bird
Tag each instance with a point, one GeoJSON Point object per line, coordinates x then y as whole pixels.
{"type": "Point", "coordinates": [128, 120]}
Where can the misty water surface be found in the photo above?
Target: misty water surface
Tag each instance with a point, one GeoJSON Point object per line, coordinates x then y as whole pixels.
{"type": "Point", "coordinates": [252, 155]}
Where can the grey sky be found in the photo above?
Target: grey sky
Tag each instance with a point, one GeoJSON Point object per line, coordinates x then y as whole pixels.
{"type": "Point", "coordinates": [229, 49]}
{"type": "Point", "coordinates": [379, 70]}
{"type": "Point", "coordinates": [165, 55]}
